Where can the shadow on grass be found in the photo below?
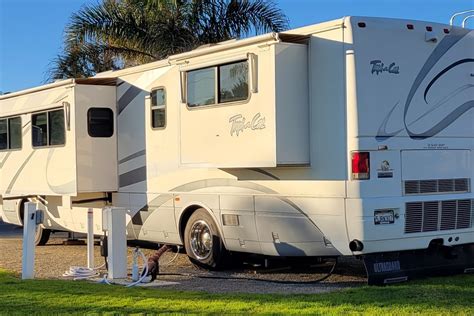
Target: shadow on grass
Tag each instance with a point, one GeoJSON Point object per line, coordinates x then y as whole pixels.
{"type": "Point", "coordinates": [434, 296]}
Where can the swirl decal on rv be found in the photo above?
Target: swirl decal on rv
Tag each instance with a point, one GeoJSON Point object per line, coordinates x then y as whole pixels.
{"type": "Point", "coordinates": [444, 46]}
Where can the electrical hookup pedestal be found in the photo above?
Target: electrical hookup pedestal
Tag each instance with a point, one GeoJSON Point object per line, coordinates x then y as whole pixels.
{"type": "Point", "coordinates": [32, 219]}
{"type": "Point", "coordinates": [114, 225]}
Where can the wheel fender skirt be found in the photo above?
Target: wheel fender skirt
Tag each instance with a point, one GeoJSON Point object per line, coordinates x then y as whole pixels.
{"type": "Point", "coordinates": [394, 267]}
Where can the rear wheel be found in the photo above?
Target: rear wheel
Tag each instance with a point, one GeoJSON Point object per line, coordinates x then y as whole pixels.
{"type": "Point", "coordinates": [202, 241]}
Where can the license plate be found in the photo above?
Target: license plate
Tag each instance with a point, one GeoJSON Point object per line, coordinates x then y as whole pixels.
{"type": "Point", "coordinates": [384, 217]}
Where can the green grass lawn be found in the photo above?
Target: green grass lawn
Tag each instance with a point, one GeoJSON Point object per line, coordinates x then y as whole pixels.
{"type": "Point", "coordinates": [453, 295]}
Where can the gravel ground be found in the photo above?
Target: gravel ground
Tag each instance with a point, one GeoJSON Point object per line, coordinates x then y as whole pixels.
{"type": "Point", "coordinates": [52, 260]}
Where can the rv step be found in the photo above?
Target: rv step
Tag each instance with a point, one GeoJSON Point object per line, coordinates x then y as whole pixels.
{"type": "Point", "coordinates": [394, 267]}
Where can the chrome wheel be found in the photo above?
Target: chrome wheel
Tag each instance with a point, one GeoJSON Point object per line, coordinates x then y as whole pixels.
{"type": "Point", "coordinates": [201, 240]}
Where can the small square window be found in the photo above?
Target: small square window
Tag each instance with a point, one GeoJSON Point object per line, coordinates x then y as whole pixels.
{"type": "Point", "coordinates": [158, 108]}
{"type": "Point", "coordinates": [100, 122]}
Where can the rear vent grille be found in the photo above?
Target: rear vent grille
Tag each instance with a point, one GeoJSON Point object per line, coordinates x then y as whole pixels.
{"type": "Point", "coordinates": [438, 215]}
{"type": "Point", "coordinates": [420, 187]}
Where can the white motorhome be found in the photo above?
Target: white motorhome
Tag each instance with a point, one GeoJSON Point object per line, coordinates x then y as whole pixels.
{"type": "Point", "coordinates": [350, 137]}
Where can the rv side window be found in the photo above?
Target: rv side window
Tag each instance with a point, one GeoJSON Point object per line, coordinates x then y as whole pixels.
{"type": "Point", "coordinates": [14, 133]}
{"type": "Point", "coordinates": [56, 128]}
{"type": "Point", "coordinates": [201, 87]}
{"type": "Point", "coordinates": [158, 108]}
{"type": "Point", "coordinates": [233, 82]}
{"type": "Point", "coordinates": [3, 134]}
{"type": "Point", "coordinates": [219, 84]}
{"type": "Point", "coordinates": [10, 133]}
{"type": "Point", "coordinates": [100, 122]}
{"type": "Point", "coordinates": [48, 128]}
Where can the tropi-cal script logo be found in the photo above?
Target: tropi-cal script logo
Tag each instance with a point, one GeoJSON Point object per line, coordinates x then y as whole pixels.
{"type": "Point", "coordinates": [239, 123]}
{"type": "Point", "coordinates": [378, 67]}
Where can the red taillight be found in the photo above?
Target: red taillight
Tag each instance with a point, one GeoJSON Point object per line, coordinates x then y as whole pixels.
{"type": "Point", "coordinates": [360, 165]}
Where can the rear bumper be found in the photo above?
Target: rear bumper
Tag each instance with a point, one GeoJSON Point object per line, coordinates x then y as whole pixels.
{"type": "Point", "coordinates": [393, 267]}
{"type": "Point", "coordinates": [394, 236]}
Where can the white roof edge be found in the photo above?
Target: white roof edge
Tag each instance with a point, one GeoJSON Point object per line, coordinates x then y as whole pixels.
{"type": "Point", "coordinates": [132, 70]}
{"type": "Point", "coordinates": [273, 37]}
{"type": "Point", "coordinates": [318, 27]}
{"type": "Point", "coordinates": [269, 37]}
{"type": "Point", "coordinates": [39, 88]}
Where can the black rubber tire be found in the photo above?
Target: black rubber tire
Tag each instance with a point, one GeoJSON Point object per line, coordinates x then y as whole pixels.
{"type": "Point", "coordinates": [42, 236]}
{"type": "Point", "coordinates": [217, 257]}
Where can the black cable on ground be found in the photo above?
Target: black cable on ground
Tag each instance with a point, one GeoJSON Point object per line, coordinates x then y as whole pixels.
{"type": "Point", "coordinates": [254, 279]}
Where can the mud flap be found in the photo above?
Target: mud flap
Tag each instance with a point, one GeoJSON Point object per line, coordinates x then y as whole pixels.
{"type": "Point", "coordinates": [393, 267]}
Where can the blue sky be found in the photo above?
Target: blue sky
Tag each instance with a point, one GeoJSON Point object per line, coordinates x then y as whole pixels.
{"type": "Point", "coordinates": [31, 30]}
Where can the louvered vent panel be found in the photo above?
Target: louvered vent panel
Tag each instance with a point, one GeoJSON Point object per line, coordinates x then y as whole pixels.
{"type": "Point", "coordinates": [412, 187]}
{"type": "Point", "coordinates": [446, 185]}
{"type": "Point", "coordinates": [438, 215]}
{"type": "Point", "coordinates": [420, 187]}
{"type": "Point", "coordinates": [413, 217]}
{"type": "Point", "coordinates": [461, 185]}
{"type": "Point", "coordinates": [464, 214]}
{"type": "Point", "coordinates": [430, 216]}
{"type": "Point", "coordinates": [448, 215]}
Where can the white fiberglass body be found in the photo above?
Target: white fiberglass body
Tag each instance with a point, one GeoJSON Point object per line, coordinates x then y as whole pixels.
{"type": "Point", "coordinates": [358, 131]}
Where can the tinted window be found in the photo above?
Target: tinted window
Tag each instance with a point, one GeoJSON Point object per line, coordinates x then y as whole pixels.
{"type": "Point", "coordinates": [201, 87]}
{"type": "Point", "coordinates": [14, 132]}
{"type": "Point", "coordinates": [3, 135]}
{"type": "Point", "coordinates": [233, 82]}
{"type": "Point", "coordinates": [100, 122]}
{"type": "Point", "coordinates": [56, 127]}
{"type": "Point", "coordinates": [39, 124]}
{"type": "Point", "coordinates": [158, 108]}
{"type": "Point", "coordinates": [48, 128]}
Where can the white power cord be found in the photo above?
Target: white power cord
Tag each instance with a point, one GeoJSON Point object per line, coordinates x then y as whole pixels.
{"type": "Point", "coordinates": [144, 271]}
{"type": "Point", "coordinates": [82, 273]}
{"type": "Point", "coordinates": [144, 274]}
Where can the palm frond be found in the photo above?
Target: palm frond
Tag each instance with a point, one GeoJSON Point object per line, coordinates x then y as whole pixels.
{"type": "Point", "coordinates": [116, 33]}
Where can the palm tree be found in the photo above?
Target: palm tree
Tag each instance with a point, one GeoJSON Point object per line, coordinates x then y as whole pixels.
{"type": "Point", "coordinates": [118, 33]}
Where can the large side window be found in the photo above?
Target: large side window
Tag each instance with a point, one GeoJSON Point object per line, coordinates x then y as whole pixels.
{"type": "Point", "coordinates": [233, 82]}
{"type": "Point", "coordinates": [158, 108]}
{"type": "Point", "coordinates": [10, 133]}
{"type": "Point", "coordinates": [218, 84]}
{"type": "Point", "coordinates": [201, 87]}
{"type": "Point", "coordinates": [48, 128]}
{"type": "Point", "coordinates": [100, 122]}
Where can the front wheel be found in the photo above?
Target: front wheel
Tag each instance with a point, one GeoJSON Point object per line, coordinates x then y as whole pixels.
{"type": "Point", "coordinates": [41, 235]}
{"type": "Point", "coordinates": [202, 241]}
